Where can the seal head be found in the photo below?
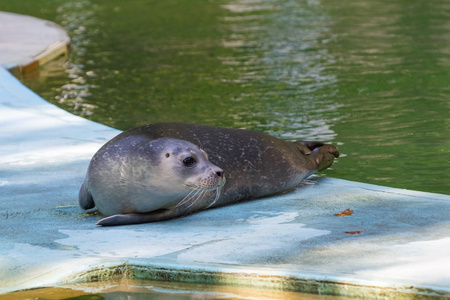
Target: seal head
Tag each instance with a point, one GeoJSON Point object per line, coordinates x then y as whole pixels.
{"type": "Point", "coordinates": [140, 175]}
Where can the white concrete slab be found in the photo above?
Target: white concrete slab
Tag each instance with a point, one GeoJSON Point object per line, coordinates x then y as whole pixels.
{"type": "Point", "coordinates": [400, 246]}
{"type": "Point", "coordinates": [27, 42]}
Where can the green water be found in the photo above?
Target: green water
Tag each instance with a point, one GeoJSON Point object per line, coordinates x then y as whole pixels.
{"type": "Point", "coordinates": [372, 76]}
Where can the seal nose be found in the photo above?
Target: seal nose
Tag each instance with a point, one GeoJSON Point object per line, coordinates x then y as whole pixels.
{"type": "Point", "coordinates": [218, 172]}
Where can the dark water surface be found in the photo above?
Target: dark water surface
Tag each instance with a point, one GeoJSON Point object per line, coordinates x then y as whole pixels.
{"type": "Point", "coordinates": [372, 76]}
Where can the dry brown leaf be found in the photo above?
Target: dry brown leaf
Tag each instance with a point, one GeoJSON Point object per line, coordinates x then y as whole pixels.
{"type": "Point", "coordinates": [354, 232]}
{"type": "Point", "coordinates": [346, 212]}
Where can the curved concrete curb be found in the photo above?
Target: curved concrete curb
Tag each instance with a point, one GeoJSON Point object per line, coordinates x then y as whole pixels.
{"type": "Point", "coordinates": [396, 244]}
{"type": "Point", "coordinates": [26, 43]}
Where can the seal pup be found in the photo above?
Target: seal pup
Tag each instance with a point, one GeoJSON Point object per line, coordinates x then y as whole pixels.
{"type": "Point", "coordinates": [254, 165]}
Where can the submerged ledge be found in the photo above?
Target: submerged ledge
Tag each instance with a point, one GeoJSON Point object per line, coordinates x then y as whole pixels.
{"type": "Point", "coordinates": [245, 276]}
{"type": "Point", "coordinates": [400, 246]}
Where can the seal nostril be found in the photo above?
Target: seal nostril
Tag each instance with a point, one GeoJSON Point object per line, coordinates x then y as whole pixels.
{"type": "Point", "coordinates": [219, 173]}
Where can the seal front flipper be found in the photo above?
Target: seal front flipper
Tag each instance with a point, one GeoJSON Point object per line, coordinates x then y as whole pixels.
{"type": "Point", "coordinates": [138, 218]}
{"type": "Point", "coordinates": [85, 199]}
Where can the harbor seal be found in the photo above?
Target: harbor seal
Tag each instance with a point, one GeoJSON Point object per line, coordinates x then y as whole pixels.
{"type": "Point", "coordinates": [130, 180]}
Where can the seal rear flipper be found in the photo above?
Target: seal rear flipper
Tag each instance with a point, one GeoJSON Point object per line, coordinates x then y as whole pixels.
{"type": "Point", "coordinates": [85, 199]}
{"type": "Point", "coordinates": [324, 156]}
{"type": "Point", "coordinates": [138, 218]}
{"type": "Point", "coordinates": [305, 147]}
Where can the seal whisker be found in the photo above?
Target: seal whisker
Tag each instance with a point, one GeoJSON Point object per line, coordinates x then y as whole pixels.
{"type": "Point", "coordinates": [194, 192]}
{"type": "Point", "coordinates": [201, 193]}
{"type": "Point", "coordinates": [218, 189]}
{"type": "Point", "coordinates": [187, 197]}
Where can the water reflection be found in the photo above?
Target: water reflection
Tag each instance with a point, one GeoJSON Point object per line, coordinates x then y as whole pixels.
{"type": "Point", "coordinates": [287, 65]}
{"type": "Point", "coordinates": [394, 103]}
{"type": "Point", "coordinates": [78, 18]}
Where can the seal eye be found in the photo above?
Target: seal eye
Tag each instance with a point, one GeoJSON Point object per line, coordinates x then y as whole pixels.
{"type": "Point", "coordinates": [189, 161]}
